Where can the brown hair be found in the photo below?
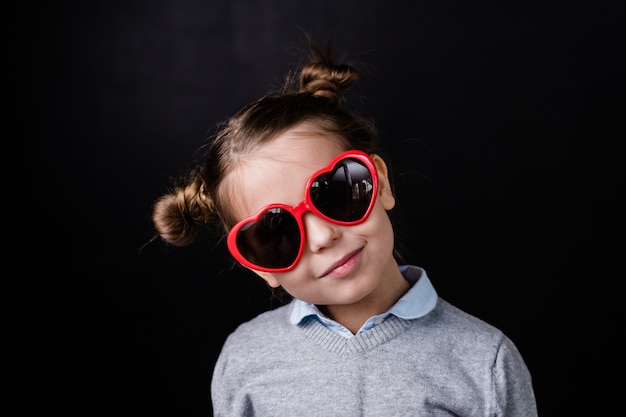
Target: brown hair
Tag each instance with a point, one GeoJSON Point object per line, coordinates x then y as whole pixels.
{"type": "Point", "coordinates": [316, 94]}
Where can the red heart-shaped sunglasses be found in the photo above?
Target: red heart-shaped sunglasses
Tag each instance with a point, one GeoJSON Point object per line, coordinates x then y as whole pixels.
{"type": "Point", "coordinates": [343, 193]}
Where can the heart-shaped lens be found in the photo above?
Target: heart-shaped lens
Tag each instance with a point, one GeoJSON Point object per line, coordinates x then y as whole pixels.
{"type": "Point", "coordinates": [272, 239]}
{"type": "Point", "coordinates": [343, 194]}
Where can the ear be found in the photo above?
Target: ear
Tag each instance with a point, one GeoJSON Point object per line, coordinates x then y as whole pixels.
{"type": "Point", "coordinates": [385, 195]}
{"type": "Point", "coordinates": [268, 277]}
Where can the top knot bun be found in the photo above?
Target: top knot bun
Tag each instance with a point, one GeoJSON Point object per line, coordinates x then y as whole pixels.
{"type": "Point", "coordinates": [328, 80]}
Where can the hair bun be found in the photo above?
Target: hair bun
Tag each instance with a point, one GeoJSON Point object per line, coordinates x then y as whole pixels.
{"type": "Point", "coordinates": [325, 79]}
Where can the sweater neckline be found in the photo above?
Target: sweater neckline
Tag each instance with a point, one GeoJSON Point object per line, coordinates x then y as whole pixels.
{"type": "Point", "coordinates": [357, 344]}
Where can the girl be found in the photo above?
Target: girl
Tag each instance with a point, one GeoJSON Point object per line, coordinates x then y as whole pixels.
{"type": "Point", "coordinates": [299, 186]}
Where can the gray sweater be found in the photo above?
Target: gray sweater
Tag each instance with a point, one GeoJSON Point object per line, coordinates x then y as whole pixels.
{"type": "Point", "coordinates": [447, 363]}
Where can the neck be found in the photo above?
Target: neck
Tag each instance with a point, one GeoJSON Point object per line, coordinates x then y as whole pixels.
{"type": "Point", "coordinates": [353, 316]}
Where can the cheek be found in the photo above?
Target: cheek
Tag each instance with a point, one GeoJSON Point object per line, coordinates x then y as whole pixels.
{"type": "Point", "coordinates": [388, 237]}
{"type": "Point", "coordinates": [294, 283]}
{"type": "Point", "coordinates": [380, 229]}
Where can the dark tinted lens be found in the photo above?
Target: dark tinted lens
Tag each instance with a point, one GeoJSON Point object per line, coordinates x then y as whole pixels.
{"type": "Point", "coordinates": [345, 193]}
{"type": "Point", "coordinates": [272, 241]}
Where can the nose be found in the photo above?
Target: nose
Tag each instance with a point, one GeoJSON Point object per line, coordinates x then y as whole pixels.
{"type": "Point", "coordinates": [320, 234]}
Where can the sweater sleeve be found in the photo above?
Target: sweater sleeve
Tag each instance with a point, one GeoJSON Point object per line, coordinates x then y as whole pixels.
{"type": "Point", "coordinates": [224, 392]}
{"type": "Point", "coordinates": [512, 383]}
{"type": "Point", "coordinates": [219, 393]}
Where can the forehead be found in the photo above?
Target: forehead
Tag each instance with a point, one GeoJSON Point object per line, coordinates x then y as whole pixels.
{"type": "Point", "coordinates": [278, 171]}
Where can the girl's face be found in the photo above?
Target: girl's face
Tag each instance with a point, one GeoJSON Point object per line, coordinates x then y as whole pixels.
{"type": "Point", "coordinates": [340, 265]}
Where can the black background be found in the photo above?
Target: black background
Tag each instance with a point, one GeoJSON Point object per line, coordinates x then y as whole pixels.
{"type": "Point", "coordinates": [503, 123]}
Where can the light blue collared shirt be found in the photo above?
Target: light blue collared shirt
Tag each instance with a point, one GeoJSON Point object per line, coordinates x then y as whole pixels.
{"type": "Point", "coordinates": [417, 302]}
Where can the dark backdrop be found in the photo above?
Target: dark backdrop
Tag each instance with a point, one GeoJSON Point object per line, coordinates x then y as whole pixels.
{"type": "Point", "coordinates": [503, 122]}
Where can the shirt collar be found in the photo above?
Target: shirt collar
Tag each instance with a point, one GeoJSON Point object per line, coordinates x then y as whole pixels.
{"type": "Point", "coordinates": [417, 302]}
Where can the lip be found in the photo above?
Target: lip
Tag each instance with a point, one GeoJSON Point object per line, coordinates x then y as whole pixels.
{"type": "Point", "coordinates": [344, 266]}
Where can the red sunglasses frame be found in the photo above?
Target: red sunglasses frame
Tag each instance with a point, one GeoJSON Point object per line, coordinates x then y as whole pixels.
{"type": "Point", "coordinates": [303, 207]}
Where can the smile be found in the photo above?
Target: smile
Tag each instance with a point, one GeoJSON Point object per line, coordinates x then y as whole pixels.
{"type": "Point", "coordinates": [344, 266]}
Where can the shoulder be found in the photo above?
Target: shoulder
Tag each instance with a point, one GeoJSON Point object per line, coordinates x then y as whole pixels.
{"type": "Point", "coordinates": [456, 327]}
{"type": "Point", "coordinates": [262, 330]}
{"type": "Point", "coordinates": [477, 342]}
{"type": "Point", "coordinates": [254, 345]}
{"type": "Point", "coordinates": [480, 345]}
{"type": "Point", "coordinates": [448, 315]}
